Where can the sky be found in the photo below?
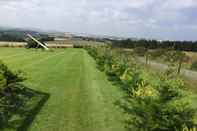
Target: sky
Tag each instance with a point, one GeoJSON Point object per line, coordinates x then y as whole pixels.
{"type": "Point", "coordinates": [157, 19]}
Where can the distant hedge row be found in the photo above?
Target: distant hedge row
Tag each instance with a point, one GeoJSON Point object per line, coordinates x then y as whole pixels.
{"type": "Point", "coordinates": [154, 44]}
{"type": "Point", "coordinates": [20, 36]}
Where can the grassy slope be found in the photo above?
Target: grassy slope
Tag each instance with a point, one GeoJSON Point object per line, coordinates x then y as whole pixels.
{"type": "Point", "coordinates": [81, 98]}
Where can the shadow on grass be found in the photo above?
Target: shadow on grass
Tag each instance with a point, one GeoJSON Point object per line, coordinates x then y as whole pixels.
{"type": "Point", "coordinates": [21, 118]}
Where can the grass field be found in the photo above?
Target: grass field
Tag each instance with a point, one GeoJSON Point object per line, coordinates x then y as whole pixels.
{"type": "Point", "coordinates": [81, 97]}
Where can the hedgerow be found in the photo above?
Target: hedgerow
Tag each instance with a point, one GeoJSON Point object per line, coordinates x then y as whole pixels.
{"type": "Point", "coordinates": [156, 104]}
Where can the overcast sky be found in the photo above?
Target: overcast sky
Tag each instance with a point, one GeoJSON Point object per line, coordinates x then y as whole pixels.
{"type": "Point", "coordinates": [160, 19]}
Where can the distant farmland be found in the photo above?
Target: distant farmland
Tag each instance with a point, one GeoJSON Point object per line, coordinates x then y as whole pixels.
{"type": "Point", "coordinates": [54, 44]}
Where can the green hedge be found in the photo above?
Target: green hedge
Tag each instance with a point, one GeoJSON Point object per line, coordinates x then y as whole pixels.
{"type": "Point", "coordinates": [154, 103]}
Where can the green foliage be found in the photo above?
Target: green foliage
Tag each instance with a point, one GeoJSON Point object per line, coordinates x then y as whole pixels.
{"type": "Point", "coordinates": [158, 53]}
{"type": "Point", "coordinates": [160, 107]}
{"type": "Point", "coordinates": [157, 105]}
{"type": "Point", "coordinates": [141, 51]}
{"type": "Point", "coordinates": [170, 88]}
{"type": "Point", "coordinates": [2, 82]}
{"type": "Point", "coordinates": [10, 77]}
{"type": "Point", "coordinates": [194, 65]}
{"type": "Point", "coordinates": [175, 58]}
{"type": "Point", "coordinates": [92, 52]}
{"type": "Point", "coordinates": [154, 44]}
{"type": "Point", "coordinates": [8, 92]}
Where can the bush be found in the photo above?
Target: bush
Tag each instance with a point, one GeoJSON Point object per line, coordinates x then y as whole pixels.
{"type": "Point", "coordinates": [158, 107]}
{"type": "Point", "coordinates": [10, 77]}
{"type": "Point", "coordinates": [2, 82]}
{"type": "Point", "coordinates": [158, 53]}
{"type": "Point", "coordinates": [141, 51]}
{"type": "Point", "coordinates": [9, 99]}
{"type": "Point", "coordinates": [153, 105]}
{"type": "Point", "coordinates": [194, 65]}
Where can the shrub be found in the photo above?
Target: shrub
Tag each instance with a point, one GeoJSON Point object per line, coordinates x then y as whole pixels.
{"type": "Point", "coordinates": [141, 51]}
{"type": "Point", "coordinates": [2, 82]}
{"type": "Point", "coordinates": [92, 52]}
{"type": "Point", "coordinates": [153, 105]}
{"type": "Point", "coordinates": [10, 77]}
{"type": "Point", "coordinates": [176, 58]}
{"type": "Point", "coordinates": [9, 99]}
{"type": "Point", "coordinates": [194, 65]}
{"type": "Point", "coordinates": [158, 53]}
{"type": "Point", "coordinates": [160, 107]}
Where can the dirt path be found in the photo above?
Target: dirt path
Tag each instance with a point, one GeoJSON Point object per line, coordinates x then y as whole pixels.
{"type": "Point", "coordinates": [189, 74]}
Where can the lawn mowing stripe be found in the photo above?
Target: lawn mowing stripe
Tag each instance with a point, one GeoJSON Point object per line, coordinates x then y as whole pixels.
{"type": "Point", "coordinates": [54, 112]}
{"type": "Point", "coordinates": [93, 89]}
{"type": "Point", "coordinates": [48, 68]}
{"type": "Point", "coordinates": [81, 98]}
{"type": "Point", "coordinates": [16, 54]}
{"type": "Point", "coordinates": [19, 61]}
{"type": "Point", "coordinates": [32, 56]}
{"type": "Point", "coordinates": [13, 54]}
{"type": "Point", "coordinates": [8, 51]}
{"type": "Point", "coordinates": [41, 60]}
{"type": "Point", "coordinates": [81, 110]}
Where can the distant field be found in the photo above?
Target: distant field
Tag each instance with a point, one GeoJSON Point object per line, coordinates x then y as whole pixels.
{"type": "Point", "coordinates": [54, 44]}
{"type": "Point", "coordinates": [11, 44]}
{"type": "Point", "coordinates": [71, 42]}
{"type": "Point", "coordinates": [81, 97]}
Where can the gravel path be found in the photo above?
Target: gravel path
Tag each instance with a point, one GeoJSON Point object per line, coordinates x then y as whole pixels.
{"type": "Point", "coordinates": [189, 74]}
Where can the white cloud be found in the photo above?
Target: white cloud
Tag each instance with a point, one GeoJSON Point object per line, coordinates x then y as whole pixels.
{"type": "Point", "coordinates": [180, 4]}
{"type": "Point", "coordinates": [143, 18]}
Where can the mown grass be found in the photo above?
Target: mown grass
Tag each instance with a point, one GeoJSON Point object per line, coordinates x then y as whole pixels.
{"type": "Point", "coordinates": [81, 97]}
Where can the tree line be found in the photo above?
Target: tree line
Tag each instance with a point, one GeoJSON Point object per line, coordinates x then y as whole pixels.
{"type": "Point", "coordinates": [154, 44]}
{"type": "Point", "coordinates": [20, 36]}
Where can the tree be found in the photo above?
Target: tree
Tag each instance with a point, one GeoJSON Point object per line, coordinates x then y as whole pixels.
{"type": "Point", "coordinates": [154, 44]}
{"type": "Point", "coordinates": [176, 57]}
{"type": "Point", "coordinates": [9, 86]}
{"type": "Point", "coordinates": [160, 107]}
{"type": "Point", "coordinates": [8, 78]}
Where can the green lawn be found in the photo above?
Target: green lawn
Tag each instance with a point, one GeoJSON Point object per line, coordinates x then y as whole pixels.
{"type": "Point", "coordinates": [81, 97]}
